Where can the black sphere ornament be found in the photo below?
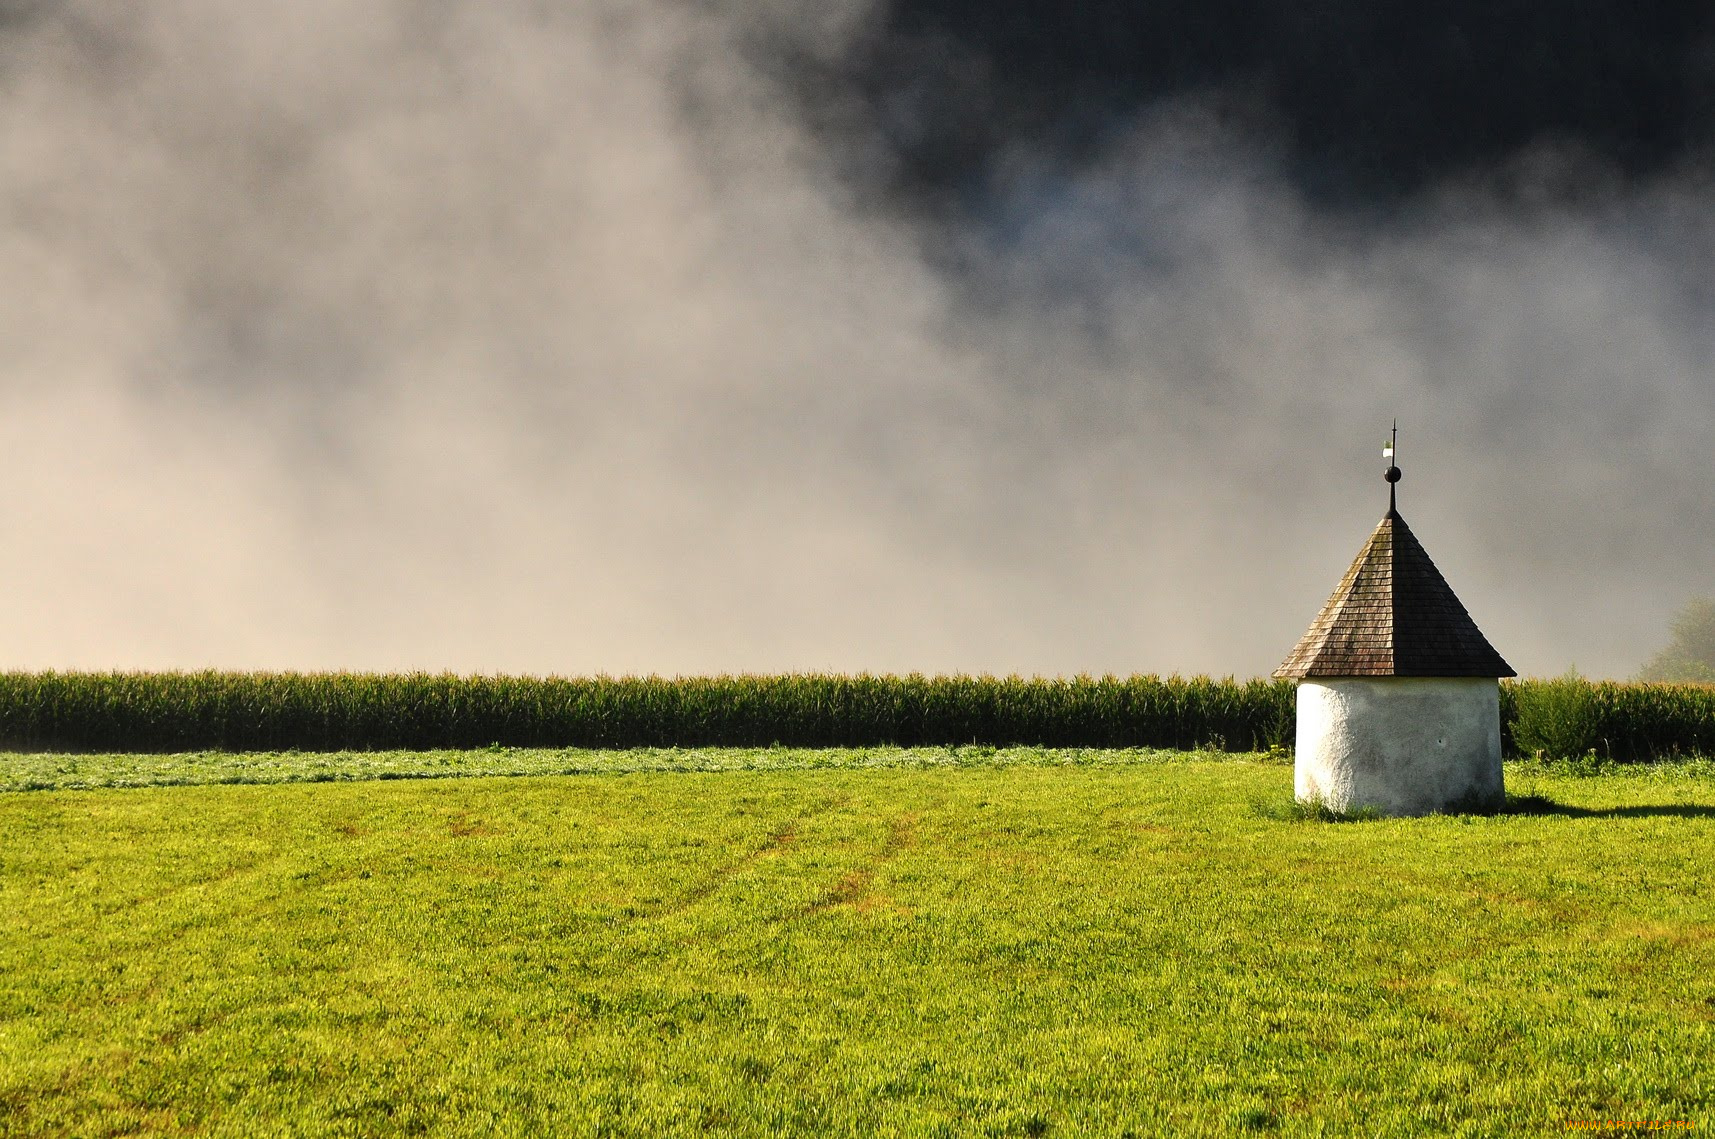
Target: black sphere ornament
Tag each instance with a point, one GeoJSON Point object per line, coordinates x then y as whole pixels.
{"type": "Point", "coordinates": [1393, 474]}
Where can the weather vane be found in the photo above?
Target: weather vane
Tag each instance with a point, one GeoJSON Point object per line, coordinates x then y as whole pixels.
{"type": "Point", "coordinates": [1393, 476]}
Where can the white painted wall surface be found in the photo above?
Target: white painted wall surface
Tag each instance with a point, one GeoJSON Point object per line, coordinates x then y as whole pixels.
{"type": "Point", "coordinates": [1403, 745]}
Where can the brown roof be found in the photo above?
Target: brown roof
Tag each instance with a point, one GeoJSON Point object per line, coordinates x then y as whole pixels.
{"type": "Point", "coordinates": [1393, 615]}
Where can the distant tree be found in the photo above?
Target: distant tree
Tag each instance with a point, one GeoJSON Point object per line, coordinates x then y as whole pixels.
{"type": "Point", "coordinates": [1690, 655]}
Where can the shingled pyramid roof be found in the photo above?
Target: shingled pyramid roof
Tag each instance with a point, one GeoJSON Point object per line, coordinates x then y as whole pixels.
{"type": "Point", "coordinates": [1393, 615]}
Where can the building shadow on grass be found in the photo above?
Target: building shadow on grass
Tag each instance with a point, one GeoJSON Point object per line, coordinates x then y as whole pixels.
{"type": "Point", "coordinates": [1288, 809]}
{"type": "Point", "coordinates": [1542, 805]}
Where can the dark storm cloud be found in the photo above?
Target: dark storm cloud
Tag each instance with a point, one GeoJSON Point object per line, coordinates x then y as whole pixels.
{"type": "Point", "coordinates": [1366, 102]}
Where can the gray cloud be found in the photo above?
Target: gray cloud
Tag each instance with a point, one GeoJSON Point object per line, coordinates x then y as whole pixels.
{"type": "Point", "coordinates": [510, 337]}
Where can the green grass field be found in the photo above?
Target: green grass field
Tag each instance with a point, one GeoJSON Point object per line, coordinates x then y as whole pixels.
{"type": "Point", "coordinates": [23, 771]}
{"type": "Point", "coordinates": [882, 942]}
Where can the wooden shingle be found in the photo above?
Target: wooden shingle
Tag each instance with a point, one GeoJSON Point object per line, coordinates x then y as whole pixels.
{"type": "Point", "coordinates": [1393, 614]}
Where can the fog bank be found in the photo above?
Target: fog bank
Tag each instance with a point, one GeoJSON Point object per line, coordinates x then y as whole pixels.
{"type": "Point", "coordinates": [496, 337]}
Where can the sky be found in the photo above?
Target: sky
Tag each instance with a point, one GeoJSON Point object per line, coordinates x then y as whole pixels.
{"type": "Point", "coordinates": [675, 337]}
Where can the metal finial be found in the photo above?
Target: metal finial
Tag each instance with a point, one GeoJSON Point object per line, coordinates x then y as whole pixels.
{"type": "Point", "coordinates": [1393, 475]}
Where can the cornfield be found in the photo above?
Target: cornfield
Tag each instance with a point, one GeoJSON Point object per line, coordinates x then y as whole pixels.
{"type": "Point", "coordinates": [1569, 717]}
{"type": "Point", "coordinates": [210, 711]}
{"type": "Point", "coordinates": [159, 712]}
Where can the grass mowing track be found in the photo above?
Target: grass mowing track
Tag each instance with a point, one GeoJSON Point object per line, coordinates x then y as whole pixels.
{"type": "Point", "coordinates": [999, 943]}
{"type": "Point", "coordinates": [25, 771]}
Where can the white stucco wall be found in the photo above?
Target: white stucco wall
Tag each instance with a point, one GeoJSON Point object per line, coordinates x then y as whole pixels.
{"type": "Point", "coordinates": [1403, 745]}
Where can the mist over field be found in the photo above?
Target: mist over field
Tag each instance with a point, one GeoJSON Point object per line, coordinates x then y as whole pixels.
{"type": "Point", "coordinates": [645, 337]}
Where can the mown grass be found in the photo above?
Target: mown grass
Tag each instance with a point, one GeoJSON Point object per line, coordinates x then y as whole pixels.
{"type": "Point", "coordinates": [989, 949]}
{"type": "Point", "coordinates": [40, 771]}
